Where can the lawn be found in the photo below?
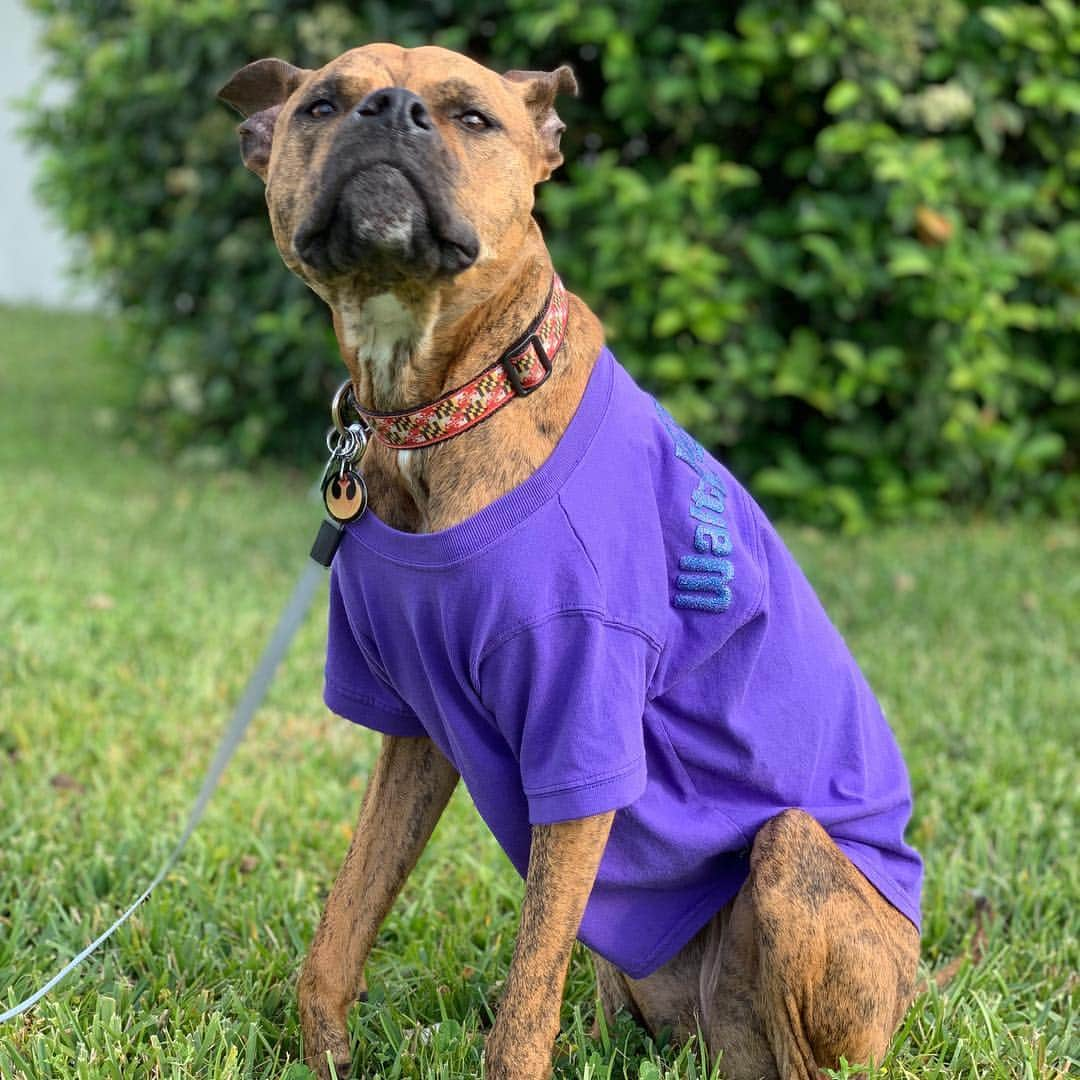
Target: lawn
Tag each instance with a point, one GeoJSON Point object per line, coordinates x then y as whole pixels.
{"type": "Point", "coordinates": [135, 597]}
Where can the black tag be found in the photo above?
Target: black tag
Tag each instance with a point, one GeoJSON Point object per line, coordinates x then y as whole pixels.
{"type": "Point", "coordinates": [326, 543]}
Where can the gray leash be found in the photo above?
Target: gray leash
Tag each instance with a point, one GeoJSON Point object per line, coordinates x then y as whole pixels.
{"type": "Point", "coordinates": [291, 618]}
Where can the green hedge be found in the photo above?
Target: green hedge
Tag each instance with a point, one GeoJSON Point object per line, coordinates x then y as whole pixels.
{"type": "Point", "coordinates": [840, 239]}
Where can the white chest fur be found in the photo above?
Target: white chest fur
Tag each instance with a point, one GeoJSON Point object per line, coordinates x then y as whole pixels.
{"type": "Point", "coordinates": [409, 464]}
{"type": "Point", "coordinates": [384, 333]}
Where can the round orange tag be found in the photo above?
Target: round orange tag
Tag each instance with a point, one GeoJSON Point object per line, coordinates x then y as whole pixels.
{"type": "Point", "coordinates": [345, 495]}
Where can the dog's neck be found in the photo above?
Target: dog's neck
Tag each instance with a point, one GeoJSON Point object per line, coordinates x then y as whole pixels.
{"type": "Point", "coordinates": [403, 351]}
{"type": "Point", "coordinates": [405, 347]}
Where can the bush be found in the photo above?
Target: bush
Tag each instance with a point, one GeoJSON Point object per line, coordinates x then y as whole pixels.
{"type": "Point", "coordinates": [839, 239]}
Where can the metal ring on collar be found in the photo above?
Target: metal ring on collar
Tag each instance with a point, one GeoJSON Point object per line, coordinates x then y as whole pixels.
{"type": "Point", "coordinates": [333, 440]}
{"type": "Point", "coordinates": [348, 445]}
{"type": "Point", "coordinates": [359, 432]}
{"type": "Point", "coordinates": [342, 400]}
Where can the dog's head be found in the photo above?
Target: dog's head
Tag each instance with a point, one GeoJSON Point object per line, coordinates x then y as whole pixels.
{"type": "Point", "coordinates": [397, 168]}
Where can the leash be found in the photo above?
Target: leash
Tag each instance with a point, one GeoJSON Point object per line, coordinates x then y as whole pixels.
{"type": "Point", "coordinates": [289, 622]}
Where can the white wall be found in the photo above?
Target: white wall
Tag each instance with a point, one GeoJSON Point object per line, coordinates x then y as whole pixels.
{"type": "Point", "coordinates": [33, 253]}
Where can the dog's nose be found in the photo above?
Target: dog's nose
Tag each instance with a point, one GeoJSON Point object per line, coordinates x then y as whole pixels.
{"type": "Point", "coordinates": [396, 108]}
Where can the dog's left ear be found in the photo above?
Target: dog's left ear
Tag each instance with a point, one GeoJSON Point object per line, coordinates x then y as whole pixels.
{"type": "Point", "coordinates": [257, 92]}
{"type": "Point", "coordinates": [540, 89]}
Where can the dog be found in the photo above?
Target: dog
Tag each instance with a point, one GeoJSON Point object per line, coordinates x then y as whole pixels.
{"type": "Point", "coordinates": [557, 594]}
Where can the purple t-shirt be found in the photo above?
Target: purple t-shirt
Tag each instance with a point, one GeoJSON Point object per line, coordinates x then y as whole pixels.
{"type": "Point", "coordinates": [624, 631]}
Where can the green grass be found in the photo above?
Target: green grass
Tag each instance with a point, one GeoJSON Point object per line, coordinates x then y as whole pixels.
{"type": "Point", "coordinates": [134, 599]}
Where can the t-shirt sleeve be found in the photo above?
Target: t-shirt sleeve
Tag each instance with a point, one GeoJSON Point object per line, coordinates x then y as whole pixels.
{"type": "Point", "coordinates": [568, 694]}
{"type": "Point", "coordinates": [355, 686]}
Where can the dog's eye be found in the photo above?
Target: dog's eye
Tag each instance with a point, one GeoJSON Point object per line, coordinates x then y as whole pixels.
{"type": "Point", "coordinates": [474, 120]}
{"type": "Point", "coordinates": [321, 109]}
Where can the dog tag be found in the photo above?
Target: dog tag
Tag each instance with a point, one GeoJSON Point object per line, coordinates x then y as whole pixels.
{"type": "Point", "coordinates": [345, 495]}
{"type": "Point", "coordinates": [326, 543]}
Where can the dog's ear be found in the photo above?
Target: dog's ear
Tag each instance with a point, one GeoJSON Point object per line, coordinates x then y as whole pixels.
{"type": "Point", "coordinates": [257, 92]}
{"type": "Point", "coordinates": [539, 90]}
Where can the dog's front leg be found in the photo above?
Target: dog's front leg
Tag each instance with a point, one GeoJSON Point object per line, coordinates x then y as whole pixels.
{"type": "Point", "coordinates": [408, 791]}
{"type": "Point", "coordinates": [562, 868]}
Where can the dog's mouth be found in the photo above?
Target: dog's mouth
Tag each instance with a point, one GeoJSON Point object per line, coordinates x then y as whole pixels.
{"type": "Point", "coordinates": [386, 222]}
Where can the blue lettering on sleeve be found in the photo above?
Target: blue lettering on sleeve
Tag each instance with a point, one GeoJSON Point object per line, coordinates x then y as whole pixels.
{"type": "Point", "coordinates": [703, 601]}
{"type": "Point", "coordinates": [704, 584]}
{"type": "Point", "coordinates": [708, 564]}
{"type": "Point", "coordinates": [712, 538]}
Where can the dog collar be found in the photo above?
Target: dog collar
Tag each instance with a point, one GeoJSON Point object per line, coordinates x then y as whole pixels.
{"type": "Point", "coordinates": [520, 370]}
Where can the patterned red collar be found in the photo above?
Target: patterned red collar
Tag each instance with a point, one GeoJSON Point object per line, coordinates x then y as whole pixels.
{"type": "Point", "coordinates": [517, 373]}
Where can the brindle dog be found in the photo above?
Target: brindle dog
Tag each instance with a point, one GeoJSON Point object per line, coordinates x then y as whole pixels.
{"type": "Point", "coordinates": [400, 188]}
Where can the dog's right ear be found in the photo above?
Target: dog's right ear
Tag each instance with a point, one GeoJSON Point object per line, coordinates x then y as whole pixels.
{"type": "Point", "coordinates": [540, 89]}
{"type": "Point", "coordinates": [257, 92]}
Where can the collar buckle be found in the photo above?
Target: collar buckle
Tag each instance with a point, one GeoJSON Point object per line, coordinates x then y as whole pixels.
{"type": "Point", "coordinates": [514, 376]}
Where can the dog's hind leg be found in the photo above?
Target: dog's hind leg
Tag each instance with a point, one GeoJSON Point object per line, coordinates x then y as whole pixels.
{"type": "Point", "coordinates": [806, 965]}
{"type": "Point", "coordinates": [709, 985]}
{"type": "Point", "coordinates": [666, 999]}
{"type": "Point", "coordinates": [407, 793]}
{"type": "Point", "coordinates": [824, 964]}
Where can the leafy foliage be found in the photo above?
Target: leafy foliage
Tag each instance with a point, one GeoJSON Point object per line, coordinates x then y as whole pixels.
{"type": "Point", "coordinates": [839, 239]}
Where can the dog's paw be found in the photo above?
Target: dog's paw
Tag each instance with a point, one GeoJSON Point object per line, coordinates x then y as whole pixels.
{"type": "Point", "coordinates": [326, 1053]}
{"type": "Point", "coordinates": [505, 1059]}
{"type": "Point", "coordinates": [328, 1069]}
{"type": "Point", "coordinates": [326, 1034]}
